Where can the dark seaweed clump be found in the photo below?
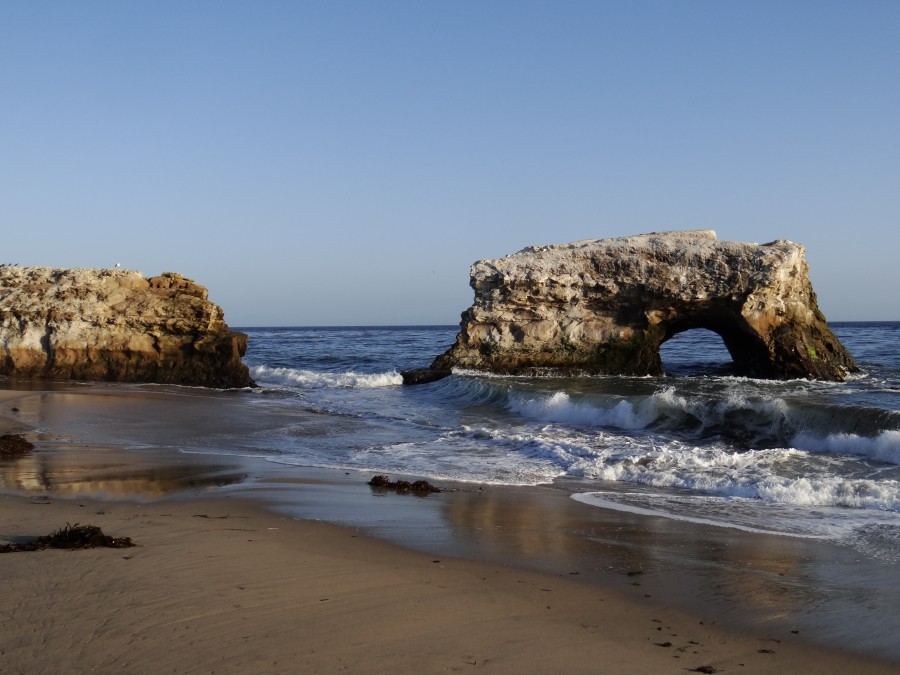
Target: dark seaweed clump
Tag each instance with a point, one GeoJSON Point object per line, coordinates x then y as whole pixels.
{"type": "Point", "coordinates": [419, 486]}
{"type": "Point", "coordinates": [14, 445]}
{"type": "Point", "coordinates": [71, 537]}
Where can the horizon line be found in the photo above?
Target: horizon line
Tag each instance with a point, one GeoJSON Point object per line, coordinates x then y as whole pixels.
{"type": "Point", "coordinates": [456, 325]}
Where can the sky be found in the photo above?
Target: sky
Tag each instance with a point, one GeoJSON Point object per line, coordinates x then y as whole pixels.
{"type": "Point", "coordinates": [344, 163]}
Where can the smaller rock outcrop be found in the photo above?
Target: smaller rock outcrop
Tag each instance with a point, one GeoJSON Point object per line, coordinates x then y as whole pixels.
{"type": "Point", "coordinates": [115, 325]}
{"type": "Point", "coordinates": [606, 305]}
{"type": "Point", "coordinates": [424, 375]}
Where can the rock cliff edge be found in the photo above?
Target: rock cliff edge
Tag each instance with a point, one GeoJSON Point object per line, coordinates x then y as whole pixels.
{"type": "Point", "coordinates": [115, 325]}
{"type": "Point", "coordinates": [606, 306]}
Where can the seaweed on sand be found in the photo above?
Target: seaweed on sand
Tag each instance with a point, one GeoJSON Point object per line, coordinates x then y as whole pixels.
{"type": "Point", "coordinates": [14, 445]}
{"type": "Point", "coordinates": [71, 537]}
{"type": "Point", "coordinates": [418, 487]}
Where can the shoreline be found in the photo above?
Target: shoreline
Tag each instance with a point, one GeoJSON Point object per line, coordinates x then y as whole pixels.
{"type": "Point", "coordinates": [780, 586]}
{"type": "Point", "coordinates": [223, 585]}
{"type": "Point", "coordinates": [567, 612]}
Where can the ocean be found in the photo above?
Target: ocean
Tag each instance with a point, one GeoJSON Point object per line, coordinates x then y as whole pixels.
{"type": "Point", "coordinates": [798, 458]}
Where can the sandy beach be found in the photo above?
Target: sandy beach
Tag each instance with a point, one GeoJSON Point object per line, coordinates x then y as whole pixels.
{"type": "Point", "coordinates": [225, 580]}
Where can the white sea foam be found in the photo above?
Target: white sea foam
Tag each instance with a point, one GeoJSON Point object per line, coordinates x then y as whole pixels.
{"type": "Point", "coordinates": [832, 491]}
{"type": "Point", "coordinates": [446, 458]}
{"type": "Point", "coordinates": [875, 533]}
{"type": "Point", "coordinates": [308, 379]}
{"type": "Point", "coordinates": [749, 474]}
{"type": "Point", "coordinates": [771, 475]}
{"type": "Point", "coordinates": [885, 447]}
{"type": "Point", "coordinates": [484, 374]}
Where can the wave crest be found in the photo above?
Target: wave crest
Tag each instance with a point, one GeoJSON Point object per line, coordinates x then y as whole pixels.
{"type": "Point", "coordinates": [308, 379]}
{"type": "Point", "coordinates": [561, 409]}
{"type": "Point", "coordinates": [885, 447]}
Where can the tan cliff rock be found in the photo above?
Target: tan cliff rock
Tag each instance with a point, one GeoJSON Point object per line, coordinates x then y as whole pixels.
{"type": "Point", "coordinates": [606, 306]}
{"type": "Point", "coordinates": [115, 325]}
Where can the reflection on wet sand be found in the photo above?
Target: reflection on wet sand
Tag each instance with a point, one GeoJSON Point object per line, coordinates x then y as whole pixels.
{"type": "Point", "coordinates": [743, 578]}
{"type": "Point", "coordinates": [102, 472]}
{"type": "Point", "coordinates": [105, 420]}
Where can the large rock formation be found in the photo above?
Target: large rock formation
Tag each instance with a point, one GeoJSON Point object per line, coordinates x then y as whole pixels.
{"type": "Point", "coordinates": [606, 306]}
{"type": "Point", "coordinates": [105, 324]}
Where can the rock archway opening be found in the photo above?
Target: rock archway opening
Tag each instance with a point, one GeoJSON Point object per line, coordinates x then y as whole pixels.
{"type": "Point", "coordinates": [698, 351]}
{"type": "Point", "coordinates": [712, 340]}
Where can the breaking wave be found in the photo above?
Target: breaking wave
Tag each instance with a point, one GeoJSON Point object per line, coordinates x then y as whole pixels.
{"type": "Point", "coordinates": [885, 447]}
{"type": "Point", "coordinates": [760, 422]}
{"type": "Point", "coordinates": [308, 379]}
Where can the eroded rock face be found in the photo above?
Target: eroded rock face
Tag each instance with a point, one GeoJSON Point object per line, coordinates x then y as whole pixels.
{"type": "Point", "coordinates": [105, 324]}
{"type": "Point", "coordinates": [606, 306]}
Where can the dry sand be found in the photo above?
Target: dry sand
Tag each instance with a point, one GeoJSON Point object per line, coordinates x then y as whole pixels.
{"type": "Point", "coordinates": [223, 585]}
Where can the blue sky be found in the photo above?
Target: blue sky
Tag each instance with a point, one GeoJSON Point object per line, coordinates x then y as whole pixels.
{"type": "Point", "coordinates": [341, 163]}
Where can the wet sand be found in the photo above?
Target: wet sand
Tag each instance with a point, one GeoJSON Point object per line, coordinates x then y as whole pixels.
{"type": "Point", "coordinates": [227, 578]}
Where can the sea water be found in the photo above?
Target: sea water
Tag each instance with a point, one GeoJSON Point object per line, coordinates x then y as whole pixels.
{"type": "Point", "coordinates": [798, 458]}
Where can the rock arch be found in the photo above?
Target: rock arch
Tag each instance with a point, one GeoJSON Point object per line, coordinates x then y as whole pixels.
{"type": "Point", "coordinates": [606, 306]}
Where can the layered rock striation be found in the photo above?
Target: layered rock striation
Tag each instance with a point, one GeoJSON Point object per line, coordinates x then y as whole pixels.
{"type": "Point", "coordinates": [115, 325]}
{"type": "Point", "coordinates": [606, 306]}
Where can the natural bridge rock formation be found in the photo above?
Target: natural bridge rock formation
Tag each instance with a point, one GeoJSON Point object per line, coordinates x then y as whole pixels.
{"type": "Point", "coordinates": [104, 324]}
{"type": "Point", "coordinates": [606, 306]}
